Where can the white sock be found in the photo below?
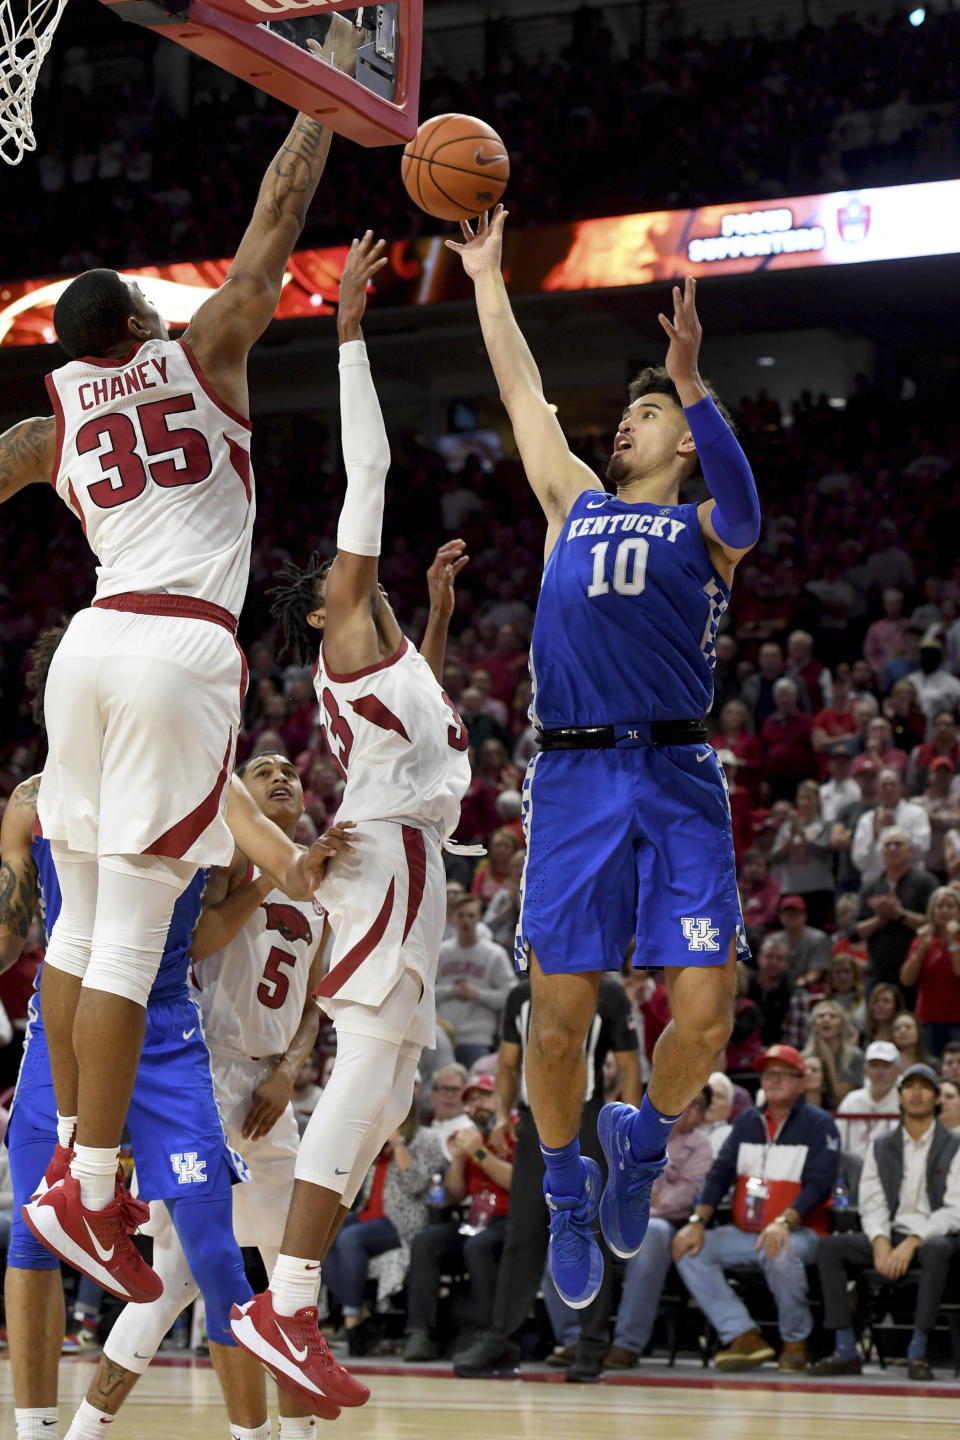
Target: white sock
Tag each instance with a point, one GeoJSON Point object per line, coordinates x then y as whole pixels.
{"type": "Point", "coordinates": [88, 1423]}
{"type": "Point", "coordinates": [96, 1169]}
{"type": "Point", "coordinates": [299, 1427]}
{"type": "Point", "coordinates": [262, 1432]}
{"type": "Point", "coordinates": [66, 1129]}
{"type": "Point", "coordinates": [40, 1424]}
{"type": "Point", "coordinates": [294, 1284]}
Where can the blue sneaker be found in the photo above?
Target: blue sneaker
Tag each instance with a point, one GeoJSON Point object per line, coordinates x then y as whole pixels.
{"type": "Point", "coordinates": [574, 1257]}
{"type": "Point", "coordinates": [625, 1203]}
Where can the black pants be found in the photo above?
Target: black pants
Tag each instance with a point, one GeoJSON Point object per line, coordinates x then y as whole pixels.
{"type": "Point", "coordinates": [836, 1254]}
{"type": "Point", "coordinates": [440, 1248]}
{"type": "Point", "coordinates": [528, 1231]}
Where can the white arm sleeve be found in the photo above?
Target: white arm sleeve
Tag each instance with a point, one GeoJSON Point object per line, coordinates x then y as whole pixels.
{"type": "Point", "coordinates": [366, 454]}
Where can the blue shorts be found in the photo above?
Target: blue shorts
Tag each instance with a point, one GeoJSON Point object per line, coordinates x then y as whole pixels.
{"type": "Point", "coordinates": [631, 841]}
{"type": "Point", "coordinates": [31, 1140]}
{"type": "Point", "coordinates": [175, 1128]}
{"type": "Point", "coordinates": [174, 1122]}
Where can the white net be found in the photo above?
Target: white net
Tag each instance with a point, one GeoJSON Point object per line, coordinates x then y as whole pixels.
{"type": "Point", "coordinates": [24, 43]}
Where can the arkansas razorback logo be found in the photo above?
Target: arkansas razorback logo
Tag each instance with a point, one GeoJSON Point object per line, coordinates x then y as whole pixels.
{"type": "Point", "coordinates": [288, 920]}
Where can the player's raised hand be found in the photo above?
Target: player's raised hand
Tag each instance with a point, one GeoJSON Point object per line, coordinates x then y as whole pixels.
{"type": "Point", "coordinates": [685, 334]}
{"type": "Point", "coordinates": [341, 45]}
{"type": "Point", "coordinates": [447, 563]}
{"type": "Point", "coordinates": [364, 258]}
{"type": "Point", "coordinates": [481, 249]}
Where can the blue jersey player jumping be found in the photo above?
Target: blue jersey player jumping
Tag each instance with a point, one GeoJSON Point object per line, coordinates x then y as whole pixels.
{"type": "Point", "coordinates": [625, 808]}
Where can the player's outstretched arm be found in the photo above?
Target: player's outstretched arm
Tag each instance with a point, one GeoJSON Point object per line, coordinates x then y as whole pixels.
{"type": "Point", "coordinates": [18, 872]}
{"type": "Point", "coordinates": [227, 325]}
{"type": "Point", "coordinates": [556, 476]}
{"type": "Point", "coordinates": [730, 522]}
{"type": "Point", "coordinates": [352, 597]}
{"type": "Point", "coordinates": [447, 563]}
{"type": "Point", "coordinates": [27, 453]}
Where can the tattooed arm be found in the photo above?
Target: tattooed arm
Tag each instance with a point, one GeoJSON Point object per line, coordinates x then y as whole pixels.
{"type": "Point", "coordinates": [27, 453]}
{"type": "Point", "coordinates": [227, 325]}
{"type": "Point", "coordinates": [18, 873]}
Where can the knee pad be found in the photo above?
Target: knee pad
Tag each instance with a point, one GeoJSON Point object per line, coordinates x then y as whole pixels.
{"type": "Point", "coordinates": [348, 1119]}
{"type": "Point", "coordinates": [205, 1228]}
{"type": "Point", "coordinates": [135, 901]}
{"type": "Point", "coordinates": [78, 877]}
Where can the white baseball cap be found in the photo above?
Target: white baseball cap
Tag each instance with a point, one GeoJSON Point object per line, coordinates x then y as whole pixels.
{"type": "Point", "coordinates": [882, 1050]}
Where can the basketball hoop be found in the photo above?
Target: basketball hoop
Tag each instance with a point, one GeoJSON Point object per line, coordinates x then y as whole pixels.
{"type": "Point", "coordinates": [23, 48]}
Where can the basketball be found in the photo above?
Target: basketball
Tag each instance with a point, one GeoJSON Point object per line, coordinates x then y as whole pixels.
{"type": "Point", "coordinates": [455, 167]}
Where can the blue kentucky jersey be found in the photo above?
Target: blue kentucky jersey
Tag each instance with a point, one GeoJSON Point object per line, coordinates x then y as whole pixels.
{"type": "Point", "coordinates": [627, 617]}
{"type": "Point", "coordinates": [172, 974]}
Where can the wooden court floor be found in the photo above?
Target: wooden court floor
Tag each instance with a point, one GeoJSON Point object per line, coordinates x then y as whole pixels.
{"type": "Point", "coordinates": [182, 1402]}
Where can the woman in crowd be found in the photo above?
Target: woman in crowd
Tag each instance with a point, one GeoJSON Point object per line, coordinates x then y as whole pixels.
{"type": "Point", "coordinates": [878, 1013]}
{"type": "Point", "coordinates": [881, 747]}
{"type": "Point", "coordinates": [908, 1038]}
{"type": "Point", "coordinates": [844, 986]}
{"type": "Point", "coordinates": [745, 1042]}
{"type": "Point", "coordinates": [813, 1081]}
{"type": "Point", "coordinates": [734, 735]}
{"type": "Point", "coordinates": [397, 1190]}
{"type": "Point", "coordinates": [950, 1104]}
{"type": "Point", "coordinates": [801, 859]}
{"type": "Point", "coordinates": [759, 895]}
{"type": "Point", "coordinates": [907, 721]}
{"type": "Point", "coordinates": [933, 966]}
{"type": "Point", "coordinates": [504, 907]}
{"type": "Point", "coordinates": [830, 1042]}
{"type": "Point", "coordinates": [493, 871]}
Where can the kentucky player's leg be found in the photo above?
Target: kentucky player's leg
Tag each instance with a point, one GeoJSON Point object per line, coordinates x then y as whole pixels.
{"type": "Point", "coordinates": [577, 915]}
{"type": "Point", "coordinates": [689, 922]}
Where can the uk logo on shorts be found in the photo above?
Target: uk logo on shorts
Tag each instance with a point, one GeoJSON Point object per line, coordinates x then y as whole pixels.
{"type": "Point", "coordinates": [188, 1169]}
{"type": "Point", "coordinates": [699, 933]}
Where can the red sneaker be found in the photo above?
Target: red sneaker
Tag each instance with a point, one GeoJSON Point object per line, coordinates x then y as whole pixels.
{"type": "Point", "coordinates": [55, 1171]}
{"type": "Point", "coordinates": [296, 1354]}
{"type": "Point", "coordinates": [95, 1242]}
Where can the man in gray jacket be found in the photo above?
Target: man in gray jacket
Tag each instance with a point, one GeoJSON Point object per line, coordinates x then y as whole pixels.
{"type": "Point", "coordinates": [910, 1216]}
{"type": "Point", "coordinates": [474, 978]}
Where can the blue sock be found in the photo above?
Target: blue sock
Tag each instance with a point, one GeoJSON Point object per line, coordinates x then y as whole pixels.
{"type": "Point", "coordinates": [564, 1169]}
{"type": "Point", "coordinates": [649, 1130]}
{"type": "Point", "coordinates": [917, 1349]}
{"type": "Point", "coordinates": [845, 1344]}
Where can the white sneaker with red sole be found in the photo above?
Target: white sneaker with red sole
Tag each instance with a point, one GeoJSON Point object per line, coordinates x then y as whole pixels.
{"type": "Point", "coordinates": [296, 1355]}
{"type": "Point", "coordinates": [95, 1242]}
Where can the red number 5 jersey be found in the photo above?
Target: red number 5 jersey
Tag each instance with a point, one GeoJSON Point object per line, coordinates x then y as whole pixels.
{"type": "Point", "coordinates": [397, 740]}
{"type": "Point", "coordinates": [157, 469]}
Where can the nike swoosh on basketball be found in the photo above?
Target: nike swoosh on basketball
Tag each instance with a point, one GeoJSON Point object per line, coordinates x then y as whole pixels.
{"type": "Point", "coordinates": [188, 1033]}
{"type": "Point", "coordinates": [480, 159]}
{"type": "Point", "coordinates": [105, 1255]}
{"type": "Point", "coordinates": [298, 1355]}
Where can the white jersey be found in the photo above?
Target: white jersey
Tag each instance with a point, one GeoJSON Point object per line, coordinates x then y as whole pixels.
{"type": "Point", "coordinates": [397, 740]}
{"type": "Point", "coordinates": [157, 469]}
{"type": "Point", "coordinates": [252, 992]}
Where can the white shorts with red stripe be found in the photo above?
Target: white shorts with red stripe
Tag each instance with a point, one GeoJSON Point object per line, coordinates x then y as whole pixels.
{"type": "Point", "coordinates": [386, 904]}
{"type": "Point", "coordinates": [142, 712]}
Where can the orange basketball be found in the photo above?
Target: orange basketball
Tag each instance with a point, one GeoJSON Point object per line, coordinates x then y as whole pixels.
{"type": "Point", "coordinates": [455, 167]}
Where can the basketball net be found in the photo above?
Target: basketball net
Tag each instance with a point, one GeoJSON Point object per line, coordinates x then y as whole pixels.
{"type": "Point", "coordinates": [23, 49]}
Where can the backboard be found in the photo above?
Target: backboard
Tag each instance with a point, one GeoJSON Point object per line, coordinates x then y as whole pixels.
{"type": "Point", "coordinates": [263, 42]}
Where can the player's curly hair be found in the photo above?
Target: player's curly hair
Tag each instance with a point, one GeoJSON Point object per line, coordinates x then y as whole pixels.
{"type": "Point", "coordinates": [293, 597]}
{"type": "Point", "coordinates": [39, 658]}
{"type": "Point", "coordinates": [92, 313]}
{"type": "Point", "coordinates": [654, 380]}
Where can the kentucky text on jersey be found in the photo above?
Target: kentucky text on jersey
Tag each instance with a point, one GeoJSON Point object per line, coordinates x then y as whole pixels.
{"type": "Point", "coordinates": [625, 628]}
{"type": "Point", "coordinates": [113, 387]}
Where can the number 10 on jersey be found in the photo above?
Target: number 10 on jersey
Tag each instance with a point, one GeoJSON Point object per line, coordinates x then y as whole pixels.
{"type": "Point", "coordinates": [629, 567]}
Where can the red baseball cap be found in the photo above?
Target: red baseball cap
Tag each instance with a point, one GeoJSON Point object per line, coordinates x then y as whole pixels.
{"type": "Point", "coordinates": [793, 902]}
{"type": "Point", "coordinates": [942, 762]}
{"type": "Point", "coordinates": [865, 763]}
{"type": "Point", "coordinates": [786, 1053]}
{"type": "Point", "coordinates": [480, 1082]}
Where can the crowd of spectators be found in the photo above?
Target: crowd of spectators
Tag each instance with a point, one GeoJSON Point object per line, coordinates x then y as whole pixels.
{"type": "Point", "coordinates": [863, 101]}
